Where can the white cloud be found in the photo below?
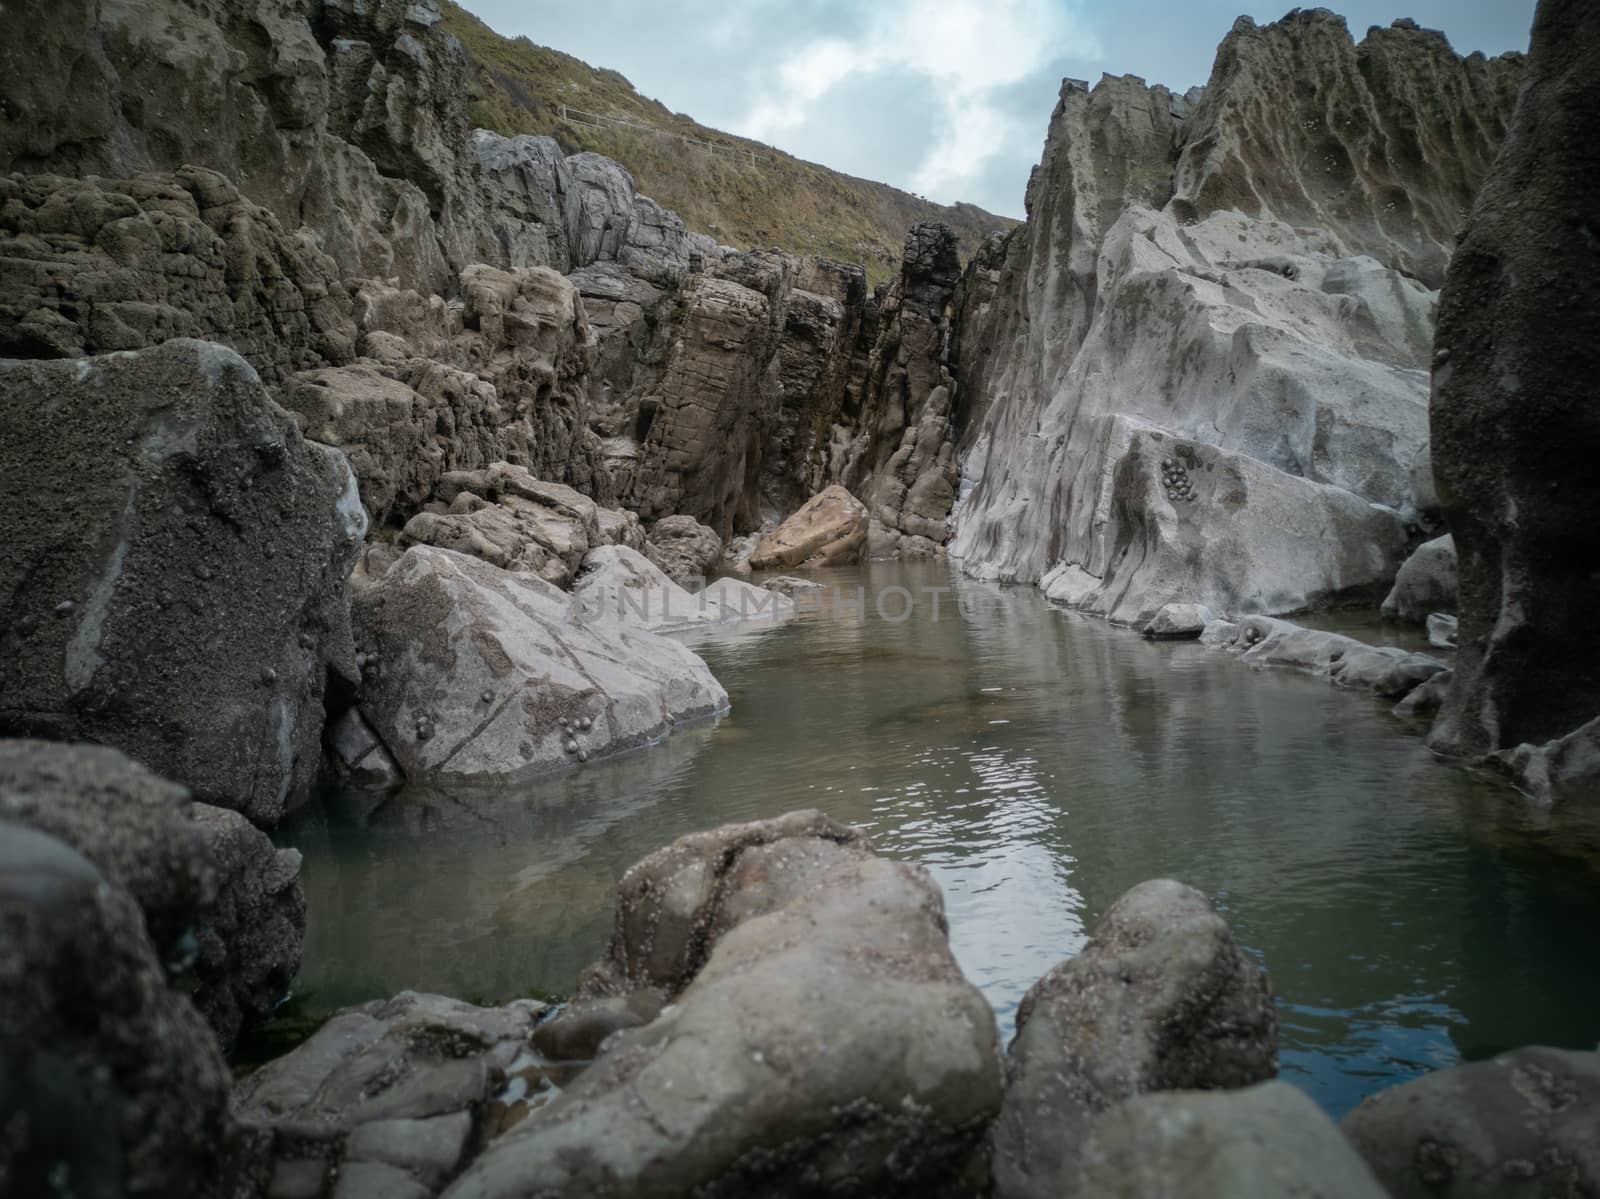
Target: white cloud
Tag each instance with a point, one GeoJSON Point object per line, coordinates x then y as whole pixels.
{"type": "Point", "coordinates": [966, 49]}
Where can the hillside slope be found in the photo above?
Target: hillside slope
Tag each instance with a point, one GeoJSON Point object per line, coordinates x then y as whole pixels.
{"type": "Point", "coordinates": [777, 200]}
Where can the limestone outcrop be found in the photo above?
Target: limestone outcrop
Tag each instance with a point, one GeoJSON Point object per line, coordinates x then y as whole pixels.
{"type": "Point", "coordinates": [1206, 373]}
{"type": "Point", "coordinates": [1516, 418]}
{"type": "Point", "coordinates": [817, 1034]}
{"type": "Point", "coordinates": [175, 583]}
{"type": "Point", "coordinates": [476, 674]}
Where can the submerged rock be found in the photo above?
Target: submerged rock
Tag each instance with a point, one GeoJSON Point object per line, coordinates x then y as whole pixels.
{"type": "Point", "coordinates": [443, 630]}
{"type": "Point", "coordinates": [1176, 621]}
{"type": "Point", "coordinates": [1269, 1141]}
{"type": "Point", "coordinates": [1160, 999]}
{"type": "Point", "coordinates": [621, 584]}
{"type": "Point", "coordinates": [1425, 584]}
{"type": "Point", "coordinates": [1521, 1124]}
{"type": "Point", "coordinates": [1516, 416]}
{"type": "Point", "coordinates": [175, 583]}
{"type": "Point", "coordinates": [1385, 670]}
{"type": "Point", "coordinates": [830, 529]}
{"type": "Point", "coordinates": [223, 906]}
{"type": "Point", "coordinates": [818, 1035]}
{"type": "Point", "coordinates": [110, 1081]}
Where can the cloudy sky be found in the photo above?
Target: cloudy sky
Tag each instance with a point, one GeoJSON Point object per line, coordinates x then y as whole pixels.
{"type": "Point", "coordinates": [945, 98]}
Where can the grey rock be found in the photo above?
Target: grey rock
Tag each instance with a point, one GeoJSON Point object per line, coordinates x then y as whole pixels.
{"type": "Point", "coordinates": [1426, 583]}
{"type": "Point", "coordinates": [446, 627]}
{"type": "Point", "coordinates": [1514, 414]}
{"type": "Point", "coordinates": [1268, 1141]}
{"type": "Point", "coordinates": [685, 550]}
{"type": "Point", "coordinates": [1442, 630]}
{"type": "Point", "coordinates": [376, 1180]}
{"type": "Point", "coordinates": [223, 906]}
{"type": "Point", "coordinates": [819, 1036]}
{"type": "Point", "coordinates": [791, 585]}
{"type": "Point", "coordinates": [1176, 621]}
{"type": "Point", "coordinates": [619, 584]}
{"type": "Point", "coordinates": [1385, 670]}
{"type": "Point", "coordinates": [1424, 699]}
{"type": "Point", "coordinates": [361, 758]}
{"type": "Point", "coordinates": [206, 542]}
{"type": "Point", "coordinates": [429, 1150]}
{"type": "Point", "coordinates": [1159, 999]}
{"type": "Point", "coordinates": [1521, 1124]}
{"type": "Point", "coordinates": [109, 1080]}
{"type": "Point", "coordinates": [1564, 771]}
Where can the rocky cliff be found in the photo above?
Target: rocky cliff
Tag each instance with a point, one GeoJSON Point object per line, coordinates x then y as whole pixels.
{"type": "Point", "coordinates": [1199, 371]}
{"type": "Point", "coordinates": [1515, 426]}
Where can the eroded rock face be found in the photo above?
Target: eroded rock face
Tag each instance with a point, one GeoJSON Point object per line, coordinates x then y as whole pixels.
{"type": "Point", "coordinates": [1519, 1124]}
{"type": "Point", "coordinates": [1205, 379]}
{"type": "Point", "coordinates": [175, 583]}
{"type": "Point", "coordinates": [501, 377]}
{"type": "Point", "coordinates": [1160, 999]}
{"type": "Point", "coordinates": [111, 1080]}
{"type": "Point", "coordinates": [95, 265]}
{"type": "Point", "coordinates": [830, 529]}
{"type": "Point", "coordinates": [478, 674]}
{"type": "Point", "coordinates": [1515, 416]}
{"type": "Point", "coordinates": [223, 907]}
{"type": "Point", "coordinates": [1262, 1142]}
{"type": "Point", "coordinates": [819, 1035]}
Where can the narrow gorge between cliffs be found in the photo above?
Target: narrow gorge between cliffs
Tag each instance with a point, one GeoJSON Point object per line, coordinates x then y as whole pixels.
{"type": "Point", "coordinates": [1039, 763]}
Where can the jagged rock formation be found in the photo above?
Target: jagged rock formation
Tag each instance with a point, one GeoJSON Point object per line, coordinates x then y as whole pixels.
{"type": "Point", "coordinates": [1208, 345]}
{"type": "Point", "coordinates": [174, 584]}
{"type": "Point", "coordinates": [1516, 421]}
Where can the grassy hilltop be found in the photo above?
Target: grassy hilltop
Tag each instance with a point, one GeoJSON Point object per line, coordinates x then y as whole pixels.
{"type": "Point", "coordinates": [778, 201]}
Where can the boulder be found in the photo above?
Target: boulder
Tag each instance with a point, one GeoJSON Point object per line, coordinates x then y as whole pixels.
{"type": "Point", "coordinates": [1424, 699]}
{"type": "Point", "coordinates": [1268, 1141]}
{"type": "Point", "coordinates": [396, 1094]}
{"type": "Point", "coordinates": [356, 755]}
{"type": "Point", "coordinates": [1515, 412]}
{"type": "Point", "coordinates": [818, 1036]}
{"type": "Point", "coordinates": [830, 529]}
{"type": "Point", "coordinates": [1425, 584]}
{"type": "Point", "coordinates": [1263, 641]}
{"type": "Point", "coordinates": [175, 585]}
{"type": "Point", "coordinates": [1160, 999]}
{"type": "Point", "coordinates": [686, 550]}
{"type": "Point", "coordinates": [477, 674]}
{"type": "Point", "coordinates": [223, 907]}
{"type": "Point", "coordinates": [110, 1081]}
{"type": "Point", "coordinates": [1521, 1124]}
{"type": "Point", "coordinates": [1179, 621]}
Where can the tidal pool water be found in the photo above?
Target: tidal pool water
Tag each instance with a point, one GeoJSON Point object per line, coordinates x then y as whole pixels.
{"type": "Point", "coordinates": [1038, 763]}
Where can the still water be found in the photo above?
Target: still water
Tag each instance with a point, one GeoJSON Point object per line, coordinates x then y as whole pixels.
{"type": "Point", "coordinates": [1038, 763]}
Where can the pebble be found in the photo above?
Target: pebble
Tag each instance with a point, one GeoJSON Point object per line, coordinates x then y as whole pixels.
{"type": "Point", "coordinates": [269, 676]}
{"type": "Point", "coordinates": [66, 607]}
{"type": "Point", "coordinates": [585, 724]}
{"type": "Point", "coordinates": [583, 755]}
{"type": "Point", "coordinates": [487, 696]}
{"type": "Point", "coordinates": [571, 746]}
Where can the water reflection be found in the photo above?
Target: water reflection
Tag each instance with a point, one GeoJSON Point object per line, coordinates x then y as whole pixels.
{"type": "Point", "coordinates": [1038, 763]}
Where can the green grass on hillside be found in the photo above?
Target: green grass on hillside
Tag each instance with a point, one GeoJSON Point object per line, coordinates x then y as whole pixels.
{"type": "Point", "coordinates": [780, 201]}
